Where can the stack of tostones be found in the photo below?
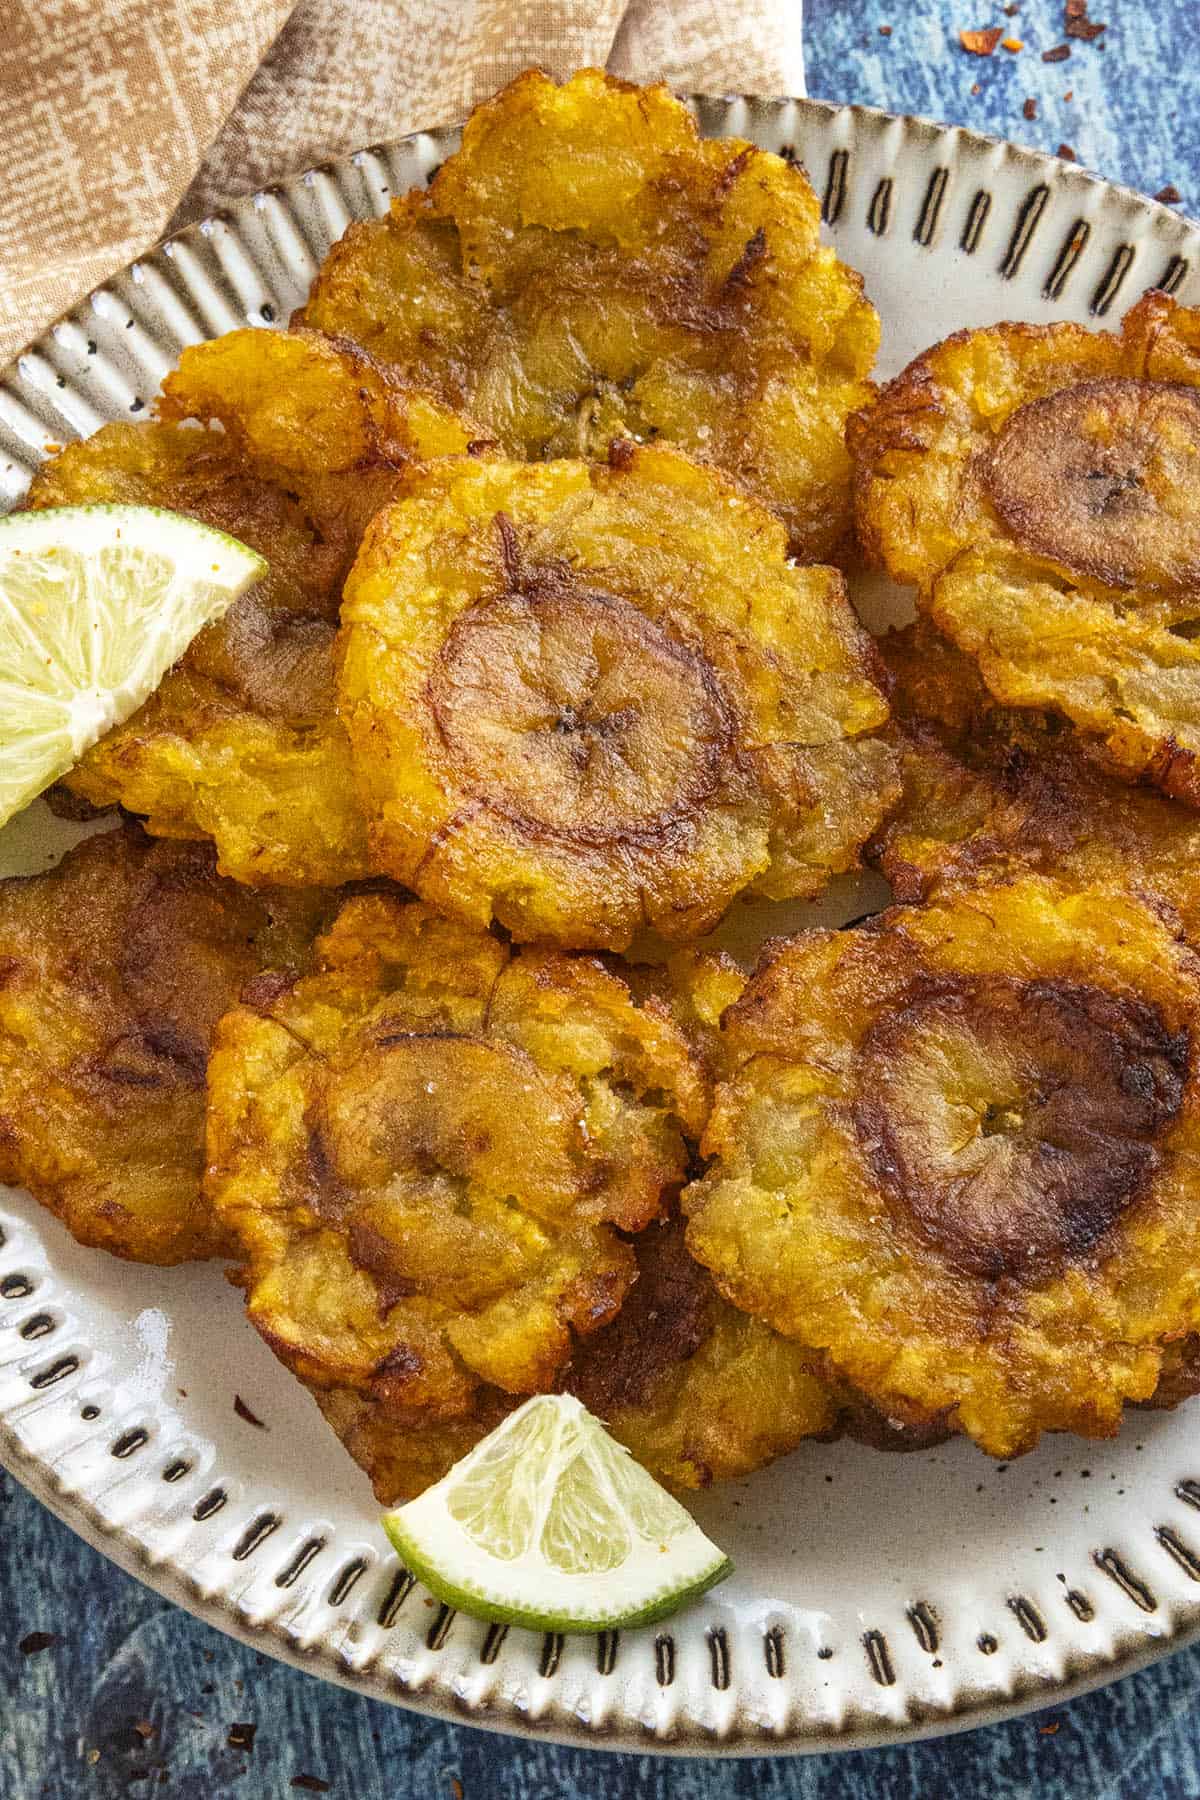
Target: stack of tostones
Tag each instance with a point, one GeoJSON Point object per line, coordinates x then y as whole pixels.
{"type": "Point", "coordinates": [543, 479]}
{"type": "Point", "coordinates": [958, 1156]}
{"type": "Point", "coordinates": [241, 742]}
{"type": "Point", "coordinates": [587, 267]}
{"type": "Point", "coordinates": [1039, 486]}
{"type": "Point", "coordinates": [565, 698]}
{"type": "Point", "coordinates": [427, 1153]}
{"type": "Point", "coordinates": [114, 970]}
{"type": "Point", "coordinates": [583, 698]}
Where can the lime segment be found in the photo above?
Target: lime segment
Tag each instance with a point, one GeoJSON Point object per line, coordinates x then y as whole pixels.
{"type": "Point", "coordinates": [551, 1524]}
{"type": "Point", "coordinates": [96, 603]}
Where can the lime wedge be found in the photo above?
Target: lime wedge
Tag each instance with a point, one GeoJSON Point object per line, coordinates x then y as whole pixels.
{"type": "Point", "coordinates": [96, 603]}
{"type": "Point", "coordinates": [549, 1523]}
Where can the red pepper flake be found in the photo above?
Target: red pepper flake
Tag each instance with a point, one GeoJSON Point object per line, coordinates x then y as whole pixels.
{"type": "Point", "coordinates": [144, 1729]}
{"type": "Point", "coordinates": [1010, 12]}
{"type": "Point", "coordinates": [983, 41]}
{"type": "Point", "coordinates": [1029, 110]}
{"type": "Point", "coordinates": [456, 1787]}
{"type": "Point", "coordinates": [975, 88]}
{"type": "Point", "coordinates": [1013, 45]}
{"type": "Point", "coordinates": [1078, 25]}
{"type": "Point", "coordinates": [1067, 154]}
{"type": "Point", "coordinates": [1048, 1730]}
{"type": "Point", "coordinates": [1059, 53]}
{"type": "Point", "coordinates": [35, 1641]}
{"type": "Point", "coordinates": [1070, 94]}
{"type": "Point", "coordinates": [1169, 195]}
{"type": "Point", "coordinates": [310, 1784]}
{"type": "Point", "coordinates": [885, 31]}
{"type": "Point", "coordinates": [243, 1412]}
{"type": "Point", "coordinates": [241, 1736]}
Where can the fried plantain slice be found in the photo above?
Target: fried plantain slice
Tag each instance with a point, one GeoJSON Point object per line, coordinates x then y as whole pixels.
{"type": "Point", "coordinates": [114, 969]}
{"type": "Point", "coordinates": [310, 404]}
{"type": "Point", "coordinates": [959, 1156]}
{"type": "Point", "coordinates": [698, 1391]}
{"type": "Point", "coordinates": [587, 267]}
{"type": "Point", "coordinates": [241, 742]}
{"type": "Point", "coordinates": [1039, 485]}
{"type": "Point", "coordinates": [990, 790]}
{"type": "Point", "coordinates": [582, 699]}
{"type": "Point", "coordinates": [425, 1152]}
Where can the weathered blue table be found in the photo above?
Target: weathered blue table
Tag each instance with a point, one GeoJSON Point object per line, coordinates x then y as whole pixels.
{"type": "Point", "coordinates": [139, 1699]}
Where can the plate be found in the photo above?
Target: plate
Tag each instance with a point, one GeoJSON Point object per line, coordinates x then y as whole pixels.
{"type": "Point", "coordinates": [877, 1597]}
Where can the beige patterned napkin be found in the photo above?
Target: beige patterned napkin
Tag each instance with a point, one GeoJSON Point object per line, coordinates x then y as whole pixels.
{"type": "Point", "coordinates": [122, 119]}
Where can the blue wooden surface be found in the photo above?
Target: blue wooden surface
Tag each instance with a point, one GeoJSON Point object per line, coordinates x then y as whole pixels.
{"type": "Point", "coordinates": [70, 1713]}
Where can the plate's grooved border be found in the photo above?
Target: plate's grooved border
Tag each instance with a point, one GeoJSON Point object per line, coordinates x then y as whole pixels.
{"type": "Point", "coordinates": [879, 1658]}
{"type": "Point", "coordinates": [931, 207]}
{"type": "Point", "coordinates": [1068, 256]}
{"type": "Point", "coordinates": [165, 1502]}
{"type": "Point", "coordinates": [835, 187]}
{"type": "Point", "coordinates": [1028, 220]}
{"type": "Point", "coordinates": [879, 213]}
{"type": "Point", "coordinates": [1113, 1564]}
{"type": "Point", "coordinates": [1113, 279]}
{"type": "Point", "coordinates": [1028, 1618]}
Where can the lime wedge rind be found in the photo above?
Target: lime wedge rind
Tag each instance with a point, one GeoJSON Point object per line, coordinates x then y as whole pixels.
{"type": "Point", "coordinates": [96, 604]}
{"type": "Point", "coordinates": [479, 1604]}
{"type": "Point", "coordinates": [96, 527]}
{"type": "Point", "coordinates": [550, 1524]}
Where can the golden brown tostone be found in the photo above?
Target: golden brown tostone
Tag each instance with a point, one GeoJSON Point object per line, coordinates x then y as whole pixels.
{"type": "Point", "coordinates": [697, 1390]}
{"type": "Point", "coordinates": [959, 1155]}
{"type": "Point", "coordinates": [1039, 486]}
{"type": "Point", "coordinates": [114, 969]}
{"type": "Point", "coordinates": [587, 267]}
{"type": "Point", "coordinates": [1100, 477]}
{"type": "Point", "coordinates": [426, 1152]}
{"type": "Point", "coordinates": [582, 699]}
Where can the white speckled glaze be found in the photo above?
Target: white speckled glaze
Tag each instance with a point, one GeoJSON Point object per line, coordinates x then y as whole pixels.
{"type": "Point", "coordinates": [876, 1596]}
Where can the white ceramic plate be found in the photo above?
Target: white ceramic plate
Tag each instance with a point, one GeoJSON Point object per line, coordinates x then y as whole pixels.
{"type": "Point", "coordinates": [876, 1596]}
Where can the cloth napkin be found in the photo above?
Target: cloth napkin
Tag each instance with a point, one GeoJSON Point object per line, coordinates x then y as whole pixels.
{"type": "Point", "coordinates": [123, 119]}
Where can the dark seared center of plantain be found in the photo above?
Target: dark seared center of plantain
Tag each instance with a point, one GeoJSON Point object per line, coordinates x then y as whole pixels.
{"type": "Point", "coordinates": [276, 662]}
{"type": "Point", "coordinates": [576, 717]}
{"type": "Point", "coordinates": [1104, 477]}
{"type": "Point", "coordinates": [1011, 1123]}
{"type": "Point", "coordinates": [444, 1157]}
{"type": "Point", "coordinates": [188, 948]}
